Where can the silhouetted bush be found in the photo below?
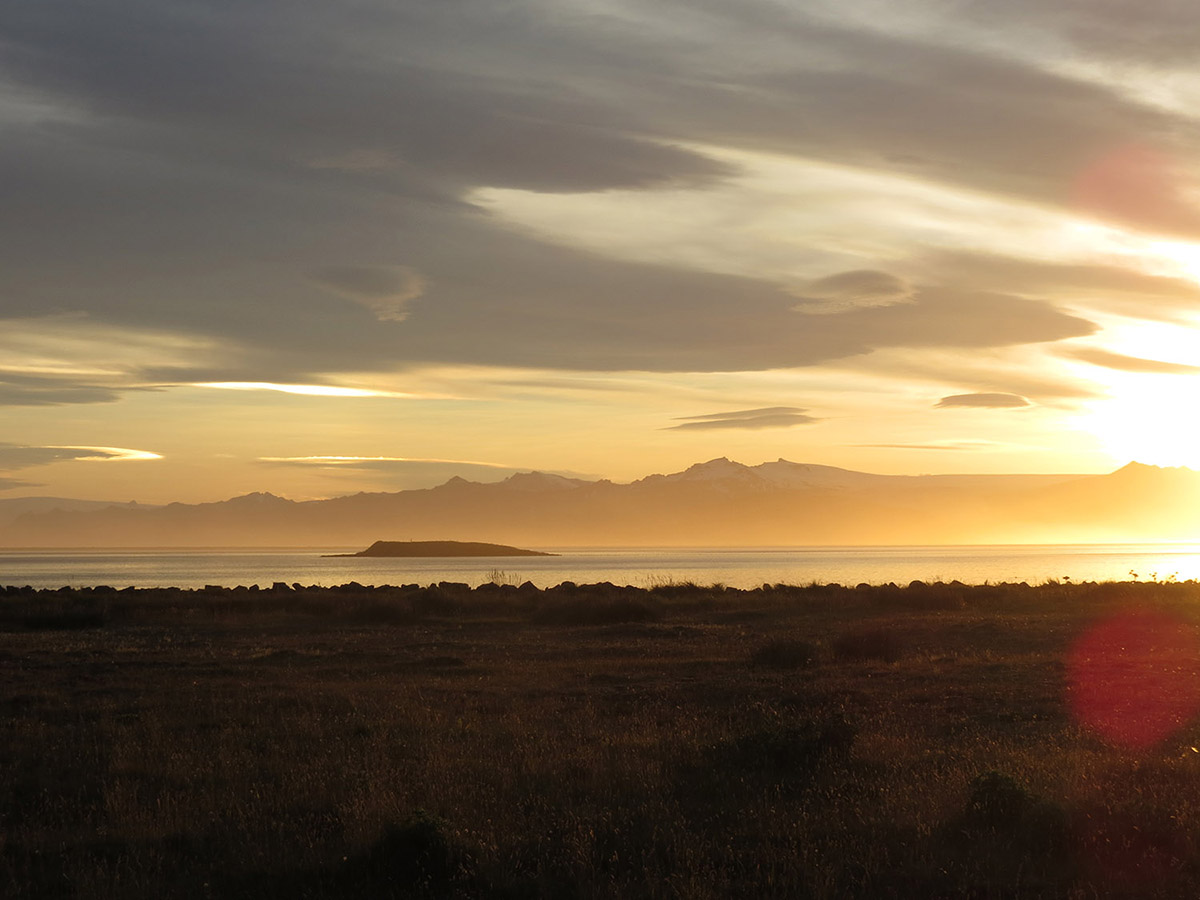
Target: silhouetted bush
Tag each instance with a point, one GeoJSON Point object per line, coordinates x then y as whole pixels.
{"type": "Point", "coordinates": [1004, 824]}
{"type": "Point", "coordinates": [683, 590]}
{"type": "Point", "coordinates": [415, 858]}
{"type": "Point", "coordinates": [997, 801]}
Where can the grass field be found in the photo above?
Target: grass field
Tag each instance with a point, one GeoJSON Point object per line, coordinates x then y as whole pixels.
{"type": "Point", "coordinates": [596, 741]}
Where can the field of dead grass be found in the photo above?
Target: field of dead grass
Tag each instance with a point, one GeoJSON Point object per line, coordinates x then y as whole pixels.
{"type": "Point", "coordinates": [596, 742]}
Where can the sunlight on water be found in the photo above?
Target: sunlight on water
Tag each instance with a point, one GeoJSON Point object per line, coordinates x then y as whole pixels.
{"type": "Point", "coordinates": [742, 568]}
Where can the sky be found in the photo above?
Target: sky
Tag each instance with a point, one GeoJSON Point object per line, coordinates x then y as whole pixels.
{"type": "Point", "coordinates": [317, 248]}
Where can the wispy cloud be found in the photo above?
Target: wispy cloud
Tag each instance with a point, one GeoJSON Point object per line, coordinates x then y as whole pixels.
{"type": "Point", "coordinates": [983, 401]}
{"type": "Point", "coordinates": [311, 390]}
{"type": "Point", "coordinates": [767, 417]}
{"type": "Point", "coordinates": [397, 472]}
{"type": "Point", "coordinates": [12, 484]}
{"type": "Point", "coordinates": [1124, 363]}
{"type": "Point", "coordinates": [858, 289]}
{"type": "Point", "coordinates": [16, 456]}
{"type": "Point", "coordinates": [941, 445]}
{"type": "Point", "coordinates": [378, 461]}
{"type": "Point", "coordinates": [385, 290]}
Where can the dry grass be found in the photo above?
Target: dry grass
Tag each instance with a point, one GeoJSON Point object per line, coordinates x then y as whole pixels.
{"type": "Point", "coordinates": [585, 742]}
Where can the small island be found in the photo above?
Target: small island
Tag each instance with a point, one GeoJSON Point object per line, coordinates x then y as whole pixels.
{"type": "Point", "coordinates": [440, 548]}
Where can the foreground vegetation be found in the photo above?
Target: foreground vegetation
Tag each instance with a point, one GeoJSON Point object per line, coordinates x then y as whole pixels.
{"type": "Point", "coordinates": [595, 741]}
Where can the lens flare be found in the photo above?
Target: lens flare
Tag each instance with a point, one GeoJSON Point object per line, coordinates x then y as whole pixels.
{"type": "Point", "coordinates": [1134, 678]}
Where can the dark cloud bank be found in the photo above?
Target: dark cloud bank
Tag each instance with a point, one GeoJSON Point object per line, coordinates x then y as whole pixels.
{"type": "Point", "coordinates": [242, 172]}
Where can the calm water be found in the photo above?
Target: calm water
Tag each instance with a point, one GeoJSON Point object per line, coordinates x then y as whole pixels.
{"type": "Point", "coordinates": [743, 568]}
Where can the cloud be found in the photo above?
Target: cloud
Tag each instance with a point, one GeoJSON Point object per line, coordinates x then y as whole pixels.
{"type": "Point", "coordinates": [1091, 285]}
{"type": "Point", "coordinates": [311, 390]}
{"type": "Point", "coordinates": [338, 88]}
{"type": "Point", "coordinates": [1124, 363]}
{"type": "Point", "coordinates": [853, 290]}
{"type": "Point", "coordinates": [25, 390]}
{"type": "Point", "coordinates": [955, 113]}
{"type": "Point", "coordinates": [239, 166]}
{"type": "Point", "coordinates": [940, 445]}
{"type": "Point", "coordinates": [61, 359]}
{"type": "Point", "coordinates": [16, 456]}
{"type": "Point", "coordinates": [576, 312]}
{"type": "Point", "coordinates": [767, 417]}
{"type": "Point", "coordinates": [983, 401]}
{"type": "Point", "coordinates": [12, 484]}
{"type": "Point", "coordinates": [402, 473]}
{"type": "Point", "coordinates": [385, 290]}
{"type": "Point", "coordinates": [1121, 30]}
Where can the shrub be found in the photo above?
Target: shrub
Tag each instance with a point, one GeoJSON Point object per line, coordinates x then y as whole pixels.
{"type": "Point", "coordinates": [997, 801]}
{"type": "Point", "coordinates": [415, 858]}
{"type": "Point", "coordinates": [1000, 807]}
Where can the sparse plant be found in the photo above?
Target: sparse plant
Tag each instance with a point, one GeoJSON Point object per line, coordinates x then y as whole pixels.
{"type": "Point", "coordinates": [502, 577]}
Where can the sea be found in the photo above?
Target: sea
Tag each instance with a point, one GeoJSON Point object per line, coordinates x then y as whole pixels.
{"type": "Point", "coordinates": [641, 567]}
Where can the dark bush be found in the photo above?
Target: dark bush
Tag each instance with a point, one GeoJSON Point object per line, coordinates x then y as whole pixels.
{"type": "Point", "coordinates": [413, 859]}
{"type": "Point", "coordinates": [1003, 825]}
{"type": "Point", "coordinates": [997, 801]}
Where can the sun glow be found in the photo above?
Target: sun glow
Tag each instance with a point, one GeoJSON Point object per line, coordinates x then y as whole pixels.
{"type": "Point", "coordinates": [1150, 427]}
{"type": "Point", "coordinates": [1148, 416]}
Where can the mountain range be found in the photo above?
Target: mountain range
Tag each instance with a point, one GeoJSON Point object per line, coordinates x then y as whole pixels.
{"type": "Point", "coordinates": [716, 503]}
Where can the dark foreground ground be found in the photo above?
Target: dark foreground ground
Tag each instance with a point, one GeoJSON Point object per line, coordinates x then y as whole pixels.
{"type": "Point", "coordinates": [928, 741]}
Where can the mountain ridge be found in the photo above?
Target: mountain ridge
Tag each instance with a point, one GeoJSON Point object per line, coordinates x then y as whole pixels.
{"type": "Point", "coordinates": [714, 503]}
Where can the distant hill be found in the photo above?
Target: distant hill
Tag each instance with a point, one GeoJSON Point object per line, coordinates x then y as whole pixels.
{"type": "Point", "coordinates": [14, 507]}
{"type": "Point", "coordinates": [715, 503]}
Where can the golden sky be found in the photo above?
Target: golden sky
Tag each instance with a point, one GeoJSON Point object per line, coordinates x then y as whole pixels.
{"type": "Point", "coordinates": [316, 248]}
